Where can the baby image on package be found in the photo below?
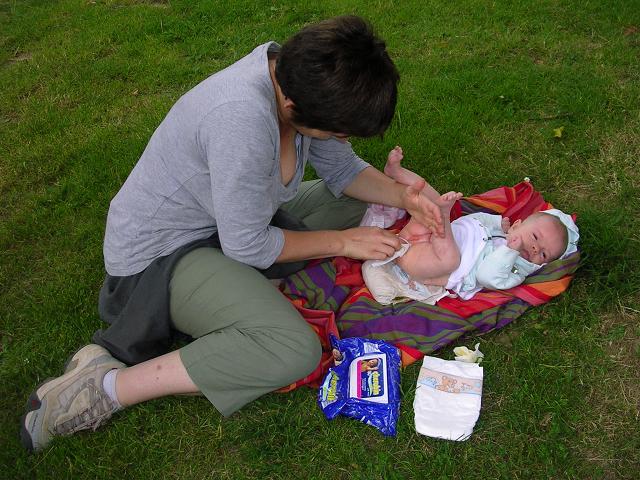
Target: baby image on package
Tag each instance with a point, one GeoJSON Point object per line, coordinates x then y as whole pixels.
{"type": "Point", "coordinates": [368, 379]}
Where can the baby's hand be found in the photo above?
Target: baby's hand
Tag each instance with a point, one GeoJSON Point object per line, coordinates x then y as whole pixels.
{"type": "Point", "coordinates": [514, 242]}
{"type": "Point", "coordinates": [506, 224]}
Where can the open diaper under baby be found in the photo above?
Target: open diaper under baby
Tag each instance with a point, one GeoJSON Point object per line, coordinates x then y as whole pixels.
{"type": "Point", "coordinates": [388, 283]}
{"type": "Point", "coordinates": [448, 398]}
{"type": "Point", "coordinates": [364, 384]}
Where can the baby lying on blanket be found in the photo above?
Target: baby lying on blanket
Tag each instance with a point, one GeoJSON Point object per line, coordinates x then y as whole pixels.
{"type": "Point", "coordinates": [477, 251]}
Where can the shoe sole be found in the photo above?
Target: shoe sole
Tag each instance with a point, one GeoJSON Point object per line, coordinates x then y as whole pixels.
{"type": "Point", "coordinates": [33, 403]}
{"type": "Point", "coordinates": [35, 406]}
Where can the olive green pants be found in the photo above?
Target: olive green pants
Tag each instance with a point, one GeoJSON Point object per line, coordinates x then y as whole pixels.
{"type": "Point", "coordinates": [249, 340]}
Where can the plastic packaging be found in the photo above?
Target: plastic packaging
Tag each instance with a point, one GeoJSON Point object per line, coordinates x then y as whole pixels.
{"type": "Point", "coordinates": [364, 383]}
{"type": "Point", "coordinates": [463, 354]}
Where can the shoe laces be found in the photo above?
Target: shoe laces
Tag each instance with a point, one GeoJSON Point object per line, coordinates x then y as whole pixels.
{"type": "Point", "coordinates": [100, 409]}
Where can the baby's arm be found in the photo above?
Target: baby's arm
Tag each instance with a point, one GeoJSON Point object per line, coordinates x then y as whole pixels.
{"type": "Point", "coordinates": [497, 270]}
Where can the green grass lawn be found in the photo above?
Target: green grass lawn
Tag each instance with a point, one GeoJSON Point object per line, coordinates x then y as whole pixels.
{"type": "Point", "coordinates": [84, 83]}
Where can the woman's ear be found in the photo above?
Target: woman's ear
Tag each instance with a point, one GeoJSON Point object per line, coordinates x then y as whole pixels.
{"type": "Point", "coordinates": [288, 104]}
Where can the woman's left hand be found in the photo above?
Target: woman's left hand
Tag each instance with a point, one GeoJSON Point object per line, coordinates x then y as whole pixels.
{"type": "Point", "coordinates": [421, 208]}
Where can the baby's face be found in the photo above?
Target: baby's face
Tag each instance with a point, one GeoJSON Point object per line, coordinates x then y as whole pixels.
{"type": "Point", "coordinates": [539, 239]}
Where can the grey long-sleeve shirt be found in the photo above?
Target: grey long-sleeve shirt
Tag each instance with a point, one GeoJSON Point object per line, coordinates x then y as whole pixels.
{"type": "Point", "coordinates": [213, 165]}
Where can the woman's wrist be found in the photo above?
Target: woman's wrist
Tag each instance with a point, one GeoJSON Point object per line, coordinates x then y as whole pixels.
{"type": "Point", "coordinates": [337, 243]}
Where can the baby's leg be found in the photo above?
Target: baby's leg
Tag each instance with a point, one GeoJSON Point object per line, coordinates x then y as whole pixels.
{"type": "Point", "coordinates": [432, 262]}
{"type": "Point", "coordinates": [415, 232]}
{"type": "Point", "coordinates": [445, 202]}
{"type": "Point", "coordinates": [396, 171]}
{"type": "Point", "coordinates": [401, 175]}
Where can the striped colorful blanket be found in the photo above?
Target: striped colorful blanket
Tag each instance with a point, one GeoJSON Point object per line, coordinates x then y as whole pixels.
{"type": "Point", "coordinates": [336, 288]}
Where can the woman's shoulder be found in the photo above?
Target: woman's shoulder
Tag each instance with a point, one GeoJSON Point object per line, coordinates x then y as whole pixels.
{"type": "Point", "coordinates": [244, 87]}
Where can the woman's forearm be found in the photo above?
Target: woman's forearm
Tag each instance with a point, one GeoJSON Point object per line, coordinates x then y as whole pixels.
{"type": "Point", "coordinates": [373, 186]}
{"type": "Point", "coordinates": [362, 243]}
{"type": "Point", "coordinates": [304, 245]}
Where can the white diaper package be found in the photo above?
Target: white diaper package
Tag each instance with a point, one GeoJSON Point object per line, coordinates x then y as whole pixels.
{"type": "Point", "coordinates": [448, 398]}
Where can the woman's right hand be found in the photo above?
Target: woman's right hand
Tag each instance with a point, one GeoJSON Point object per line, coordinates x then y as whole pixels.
{"type": "Point", "coordinates": [369, 243]}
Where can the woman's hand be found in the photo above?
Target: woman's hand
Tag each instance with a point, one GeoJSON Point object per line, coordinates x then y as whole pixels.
{"type": "Point", "coordinates": [422, 209]}
{"type": "Point", "coordinates": [368, 243]}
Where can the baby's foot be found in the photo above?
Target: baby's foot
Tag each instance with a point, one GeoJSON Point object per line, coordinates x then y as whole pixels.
{"type": "Point", "coordinates": [392, 168]}
{"type": "Point", "coordinates": [446, 201]}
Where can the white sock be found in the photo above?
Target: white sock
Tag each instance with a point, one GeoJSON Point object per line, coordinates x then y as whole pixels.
{"type": "Point", "coordinates": [109, 386]}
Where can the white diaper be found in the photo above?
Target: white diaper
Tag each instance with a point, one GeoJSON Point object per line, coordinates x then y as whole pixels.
{"type": "Point", "coordinates": [388, 283]}
{"type": "Point", "coordinates": [381, 216]}
{"type": "Point", "coordinates": [448, 398]}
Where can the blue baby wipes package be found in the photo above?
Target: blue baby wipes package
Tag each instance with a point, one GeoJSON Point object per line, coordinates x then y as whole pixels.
{"type": "Point", "coordinates": [364, 383]}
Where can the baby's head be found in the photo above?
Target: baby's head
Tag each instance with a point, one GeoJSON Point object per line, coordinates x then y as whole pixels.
{"type": "Point", "coordinates": [373, 362]}
{"type": "Point", "coordinates": [543, 236]}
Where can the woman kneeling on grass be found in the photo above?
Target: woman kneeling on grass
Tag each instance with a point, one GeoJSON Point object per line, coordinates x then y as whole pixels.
{"type": "Point", "coordinates": [213, 195]}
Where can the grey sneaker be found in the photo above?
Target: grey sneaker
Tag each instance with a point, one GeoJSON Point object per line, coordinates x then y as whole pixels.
{"type": "Point", "coordinates": [72, 402]}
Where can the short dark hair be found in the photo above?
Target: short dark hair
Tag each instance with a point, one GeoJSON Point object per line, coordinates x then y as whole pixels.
{"type": "Point", "coordinates": [340, 77]}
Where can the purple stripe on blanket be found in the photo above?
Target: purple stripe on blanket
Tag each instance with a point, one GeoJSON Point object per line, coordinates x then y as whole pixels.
{"type": "Point", "coordinates": [410, 324]}
{"type": "Point", "coordinates": [556, 269]}
{"type": "Point", "coordinates": [375, 310]}
{"type": "Point", "coordinates": [316, 279]}
{"type": "Point", "coordinates": [560, 268]}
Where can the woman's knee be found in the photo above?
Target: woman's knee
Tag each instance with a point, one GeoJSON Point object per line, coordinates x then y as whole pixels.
{"type": "Point", "coordinates": [320, 209]}
{"type": "Point", "coordinates": [355, 210]}
{"type": "Point", "coordinates": [303, 357]}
